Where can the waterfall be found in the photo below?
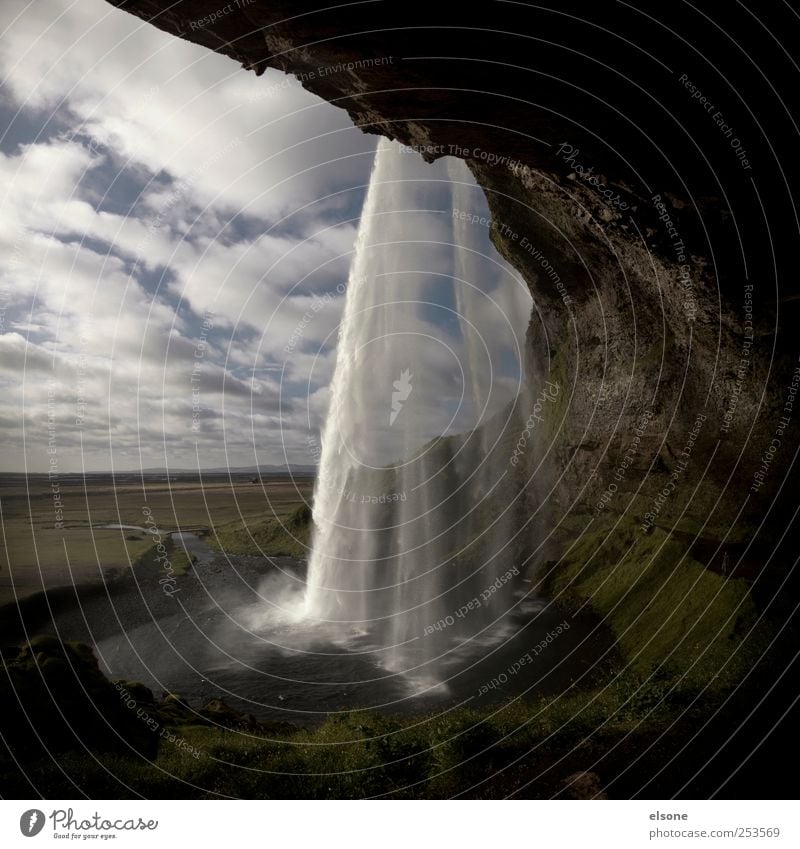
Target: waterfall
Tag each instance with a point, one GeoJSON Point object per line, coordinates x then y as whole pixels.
{"type": "Point", "coordinates": [415, 501]}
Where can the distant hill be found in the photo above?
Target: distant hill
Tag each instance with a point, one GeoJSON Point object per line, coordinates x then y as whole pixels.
{"type": "Point", "coordinates": [296, 470]}
{"type": "Point", "coordinates": [290, 469]}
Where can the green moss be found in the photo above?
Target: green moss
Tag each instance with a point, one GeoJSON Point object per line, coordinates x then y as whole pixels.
{"type": "Point", "coordinates": [555, 420]}
{"type": "Point", "coordinates": [363, 754]}
{"type": "Point", "coordinates": [178, 562]}
{"type": "Point", "coordinates": [281, 536]}
{"type": "Point", "coordinates": [668, 612]}
{"type": "Point", "coordinates": [693, 527]}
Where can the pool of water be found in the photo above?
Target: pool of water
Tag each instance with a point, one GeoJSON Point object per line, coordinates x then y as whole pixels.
{"type": "Point", "coordinates": [236, 631]}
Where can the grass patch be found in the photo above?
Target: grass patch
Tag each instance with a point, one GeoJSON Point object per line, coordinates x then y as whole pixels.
{"type": "Point", "coordinates": [177, 559]}
{"type": "Point", "coordinates": [287, 535]}
{"type": "Point", "coordinates": [364, 754]}
{"type": "Point", "coordinates": [632, 723]}
{"type": "Point", "coordinates": [668, 612]}
{"type": "Point", "coordinates": [34, 551]}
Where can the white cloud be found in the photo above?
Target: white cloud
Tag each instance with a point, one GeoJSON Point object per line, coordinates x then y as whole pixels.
{"type": "Point", "coordinates": [153, 159]}
{"type": "Point", "coordinates": [174, 106]}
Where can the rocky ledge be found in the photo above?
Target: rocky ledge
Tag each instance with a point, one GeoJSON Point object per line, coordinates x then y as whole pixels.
{"type": "Point", "coordinates": [640, 184]}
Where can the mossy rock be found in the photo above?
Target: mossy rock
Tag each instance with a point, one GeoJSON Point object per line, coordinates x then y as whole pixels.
{"type": "Point", "coordinates": [55, 698]}
{"type": "Point", "coordinates": [177, 563]}
{"type": "Point", "coordinates": [175, 710]}
{"type": "Point", "coordinates": [287, 536]}
{"type": "Point", "coordinates": [667, 611]}
{"type": "Point", "coordinates": [218, 712]}
{"type": "Point", "coordinates": [142, 694]}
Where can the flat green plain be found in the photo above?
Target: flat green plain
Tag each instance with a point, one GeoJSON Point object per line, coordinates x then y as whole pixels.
{"type": "Point", "coordinates": [42, 549]}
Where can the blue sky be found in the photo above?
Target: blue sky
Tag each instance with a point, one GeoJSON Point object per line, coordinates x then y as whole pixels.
{"type": "Point", "coordinates": [168, 220]}
{"type": "Point", "coordinates": [150, 186]}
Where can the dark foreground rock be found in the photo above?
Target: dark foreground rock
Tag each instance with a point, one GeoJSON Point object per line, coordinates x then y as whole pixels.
{"type": "Point", "coordinates": [55, 698]}
{"type": "Point", "coordinates": [584, 785]}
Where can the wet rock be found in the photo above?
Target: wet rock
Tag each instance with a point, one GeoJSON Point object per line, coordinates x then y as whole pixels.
{"type": "Point", "coordinates": [218, 712]}
{"type": "Point", "coordinates": [174, 709]}
{"type": "Point", "coordinates": [136, 690]}
{"type": "Point", "coordinates": [55, 698]}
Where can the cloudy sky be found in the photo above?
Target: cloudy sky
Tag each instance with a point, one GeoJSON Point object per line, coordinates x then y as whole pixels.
{"type": "Point", "coordinates": [168, 220]}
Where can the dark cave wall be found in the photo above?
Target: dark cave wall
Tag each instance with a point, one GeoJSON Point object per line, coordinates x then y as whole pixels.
{"type": "Point", "coordinates": [573, 119]}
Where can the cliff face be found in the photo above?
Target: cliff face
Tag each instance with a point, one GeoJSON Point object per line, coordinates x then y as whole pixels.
{"type": "Point", "coordinates": [639, 177]}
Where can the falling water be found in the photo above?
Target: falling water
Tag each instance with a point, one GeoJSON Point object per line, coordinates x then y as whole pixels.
{"type": "Point", "coordinates": [416, 505]}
